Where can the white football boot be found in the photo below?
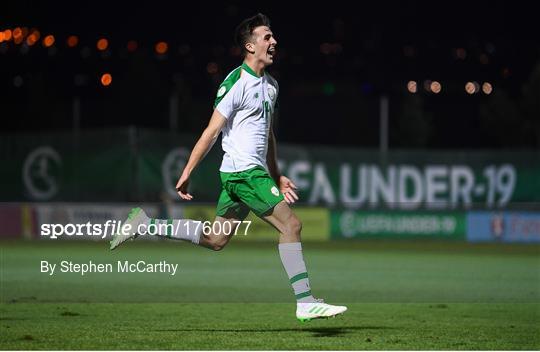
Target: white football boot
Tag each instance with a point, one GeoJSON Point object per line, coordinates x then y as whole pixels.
{"type": "Point", "coordinates": [317, 310]}
{"type": "Point", "coordinates": [136, 217]}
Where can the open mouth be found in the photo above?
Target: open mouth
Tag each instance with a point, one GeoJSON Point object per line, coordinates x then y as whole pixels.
{"type": "Point", "coordinates": [271, 52]}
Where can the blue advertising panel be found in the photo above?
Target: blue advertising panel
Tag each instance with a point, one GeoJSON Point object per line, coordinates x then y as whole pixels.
{"type": "Point", "coordinates": [503, 226]}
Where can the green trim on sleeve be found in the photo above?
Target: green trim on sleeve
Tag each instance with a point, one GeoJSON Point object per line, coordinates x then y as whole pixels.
{"type": "Point", "coordinates": [227, 84]}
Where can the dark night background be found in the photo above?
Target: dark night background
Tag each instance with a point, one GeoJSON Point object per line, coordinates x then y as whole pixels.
{"type": "Point", "coordinates": [335, 61]}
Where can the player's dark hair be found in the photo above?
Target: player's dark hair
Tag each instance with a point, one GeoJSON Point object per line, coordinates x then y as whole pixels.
{"type": "Point", "coordinates": [244, 31]}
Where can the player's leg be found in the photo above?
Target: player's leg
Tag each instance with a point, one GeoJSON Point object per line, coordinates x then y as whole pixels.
{"type": "Point", "coordinates": [289, 226]}
{"type": "Point", "coordinates": [138, 223]}
{"type": "Point", "coordinates": [223, 229]}
{"type": "Point", "coordinates": [229, 213]}
{"type": "Point", "coordinates": [292, 258]}
{"type": "Point", "coordinates": [218, 234]}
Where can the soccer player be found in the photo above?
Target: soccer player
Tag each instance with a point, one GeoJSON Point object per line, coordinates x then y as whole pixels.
{"type": "Point", "coordinates": [250, 177]}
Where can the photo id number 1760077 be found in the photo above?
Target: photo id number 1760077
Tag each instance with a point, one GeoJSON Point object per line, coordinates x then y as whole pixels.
{"type": "Point", "coordinates": [226, 227]}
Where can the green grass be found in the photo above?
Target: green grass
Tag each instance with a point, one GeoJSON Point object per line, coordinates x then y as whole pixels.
{"type": "Point", "coordinates": [401, 295]}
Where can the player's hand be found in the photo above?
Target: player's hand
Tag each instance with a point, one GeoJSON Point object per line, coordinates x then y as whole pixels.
{"type": "Point", "coordinates": [288, 188]}
{"type": "Point", "coordinates": [182, 186]}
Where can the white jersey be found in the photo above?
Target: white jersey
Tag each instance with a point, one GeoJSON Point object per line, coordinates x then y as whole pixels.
{"type": "Point", "coordinates": [247, 102]}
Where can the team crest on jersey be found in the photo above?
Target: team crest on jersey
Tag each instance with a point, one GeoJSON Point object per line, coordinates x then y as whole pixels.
{"type": "Point", "coordinates": [275, 191]}
{"type": "Point", "coordinates": [221, 91]}
{"type": "Point", "coordinates": [271, 92]}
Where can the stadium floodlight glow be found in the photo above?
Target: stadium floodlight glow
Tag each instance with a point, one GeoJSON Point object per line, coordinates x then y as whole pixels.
{"type": "Point", "coordinates": [106, 79]}
{"type": "Point", "coordinates": [72, 41]}
{"type": "Point", "coordinates": [132, 45]}
{"type": "Point", "coordinates": [31, 40]}
{"type": "Point", "coordinates": [7, 35]}
{"type": "Point", "coordinates": [36, 34]}
{"type": "Point", "coordinates": [472, 87]}
{"type": "Point", "coordinates": [487, 88]}
{"type": "Point", "coordinates": [161, 48]}
{"type": "Point", "coordinates": [412, 87]}
{"type": "Point", "coordinates": [102, 44]}
{"type": "Point", "coordinates": [48, 41]}
{"type": "Point", "coordinates": [17, 33]}
{"type": "Point", "coordinates": [435, 87]}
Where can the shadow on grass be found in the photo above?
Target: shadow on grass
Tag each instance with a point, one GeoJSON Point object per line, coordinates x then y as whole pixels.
{"type": "Point", "coordinates": [317, 332]}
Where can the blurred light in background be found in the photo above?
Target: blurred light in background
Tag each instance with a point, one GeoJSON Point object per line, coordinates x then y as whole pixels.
{"type": "Point", "coordinates": [33, 38]}
{"type": "Point", "coordinates": [472, 87]}
{"type": "Point", "coordinates": [487, 88]}
{"type": "Point", "coordinates": [48, 41]}
{"type": "Point", "coordinates": [17, 32]}
{"type": "Point", "coordinates": [132, 46]}
{"type": "Point", "coordinates": [461, 54]}
{"type": "Point", "coordinates": [435, 87]}
{"type": "Point", "coordinates": [161, 48]}
{"type": "Point", "coordinates": [7, 35]}
{"type": "Point", "coordinates": [212, 68]}
{"type": "Point", "coordinates": [30, 40]}
{"type": "Point", "coordinates": [102, 44]}
{"type": "Point", "coordinates": [18, 81]}
{"type": "Point", "coordinates": [72, 41]}
{"type": "Point", "coordinates": [106, 79]}
{"type": "Point", "coordinates": [484, 59]}
{"type": "Point", "coordinates": [412, 87]}
{"type": "Point", "coordinates": [17, 35]}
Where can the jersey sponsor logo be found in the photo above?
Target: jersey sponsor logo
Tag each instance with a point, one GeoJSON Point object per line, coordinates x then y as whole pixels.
{"type": "Point", "coordinates": [221, 91]}
{"type": "Point", "coordinates": [275, 191]}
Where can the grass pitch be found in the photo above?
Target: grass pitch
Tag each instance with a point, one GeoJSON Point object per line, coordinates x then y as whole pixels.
{"type": "Point", "coordinates": [401, 295]}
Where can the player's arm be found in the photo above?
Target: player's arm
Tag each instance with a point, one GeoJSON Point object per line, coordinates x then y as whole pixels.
{"type": "Point", "coordinates": [202, 147]}
{"type": "Point", "coordinates": [286, 186]}
{"type": "Point", "coordinates": [271, 157]}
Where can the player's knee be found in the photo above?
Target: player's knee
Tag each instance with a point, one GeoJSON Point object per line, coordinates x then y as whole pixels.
{"type": "Point", "coordinates": [217, 247]}
{"type": "Point", "coordinates": [218, 243]}
{"type": "Point", "coordinates": [295, 226]}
